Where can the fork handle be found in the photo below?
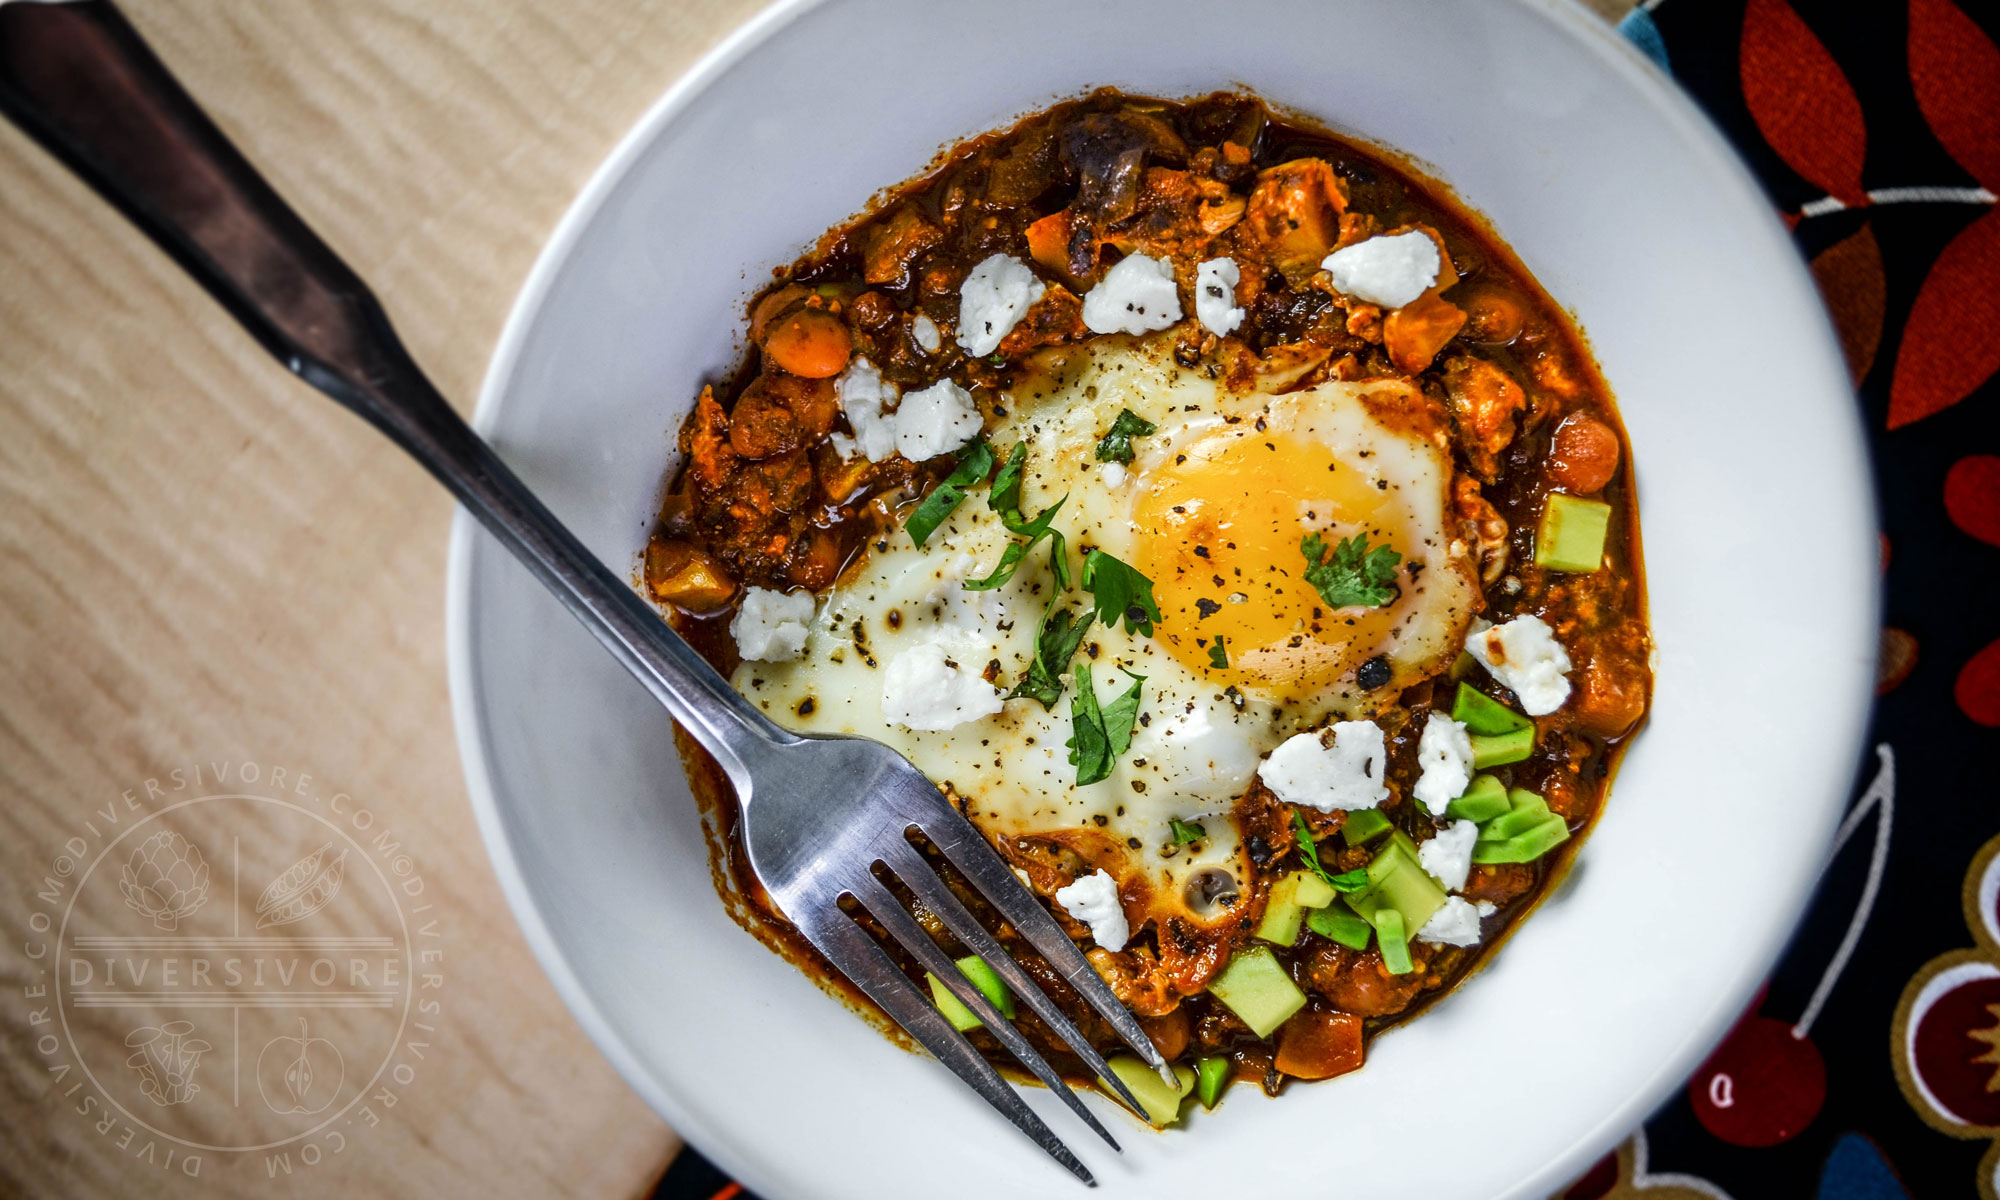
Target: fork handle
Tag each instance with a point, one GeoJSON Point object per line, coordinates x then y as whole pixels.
{"type": "Point", "coordinates": [78, 79]}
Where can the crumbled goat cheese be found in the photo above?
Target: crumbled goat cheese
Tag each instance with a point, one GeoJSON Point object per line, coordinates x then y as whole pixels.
{"type": "Point", "coordinates": [927, 423]}
{"type": "Point", "coordinates": [1456, 924]}
{"type": "Point", "coordinates": [925, 331]}
{"type": "Point", "coordinates": [936, 420]}
{"type": "Point", "coordinates": [1215, 295]}
{"type": "Point", "coordinates": [1389, 271]}
{"type": "Point", "coordinates": [1093, 900]}
{"type": "Point", "coordinates": [1448, 856]}
{"type": "Point", "coordinates": [1112, 474]}
{"type": "Point", "coordinates": [863, 394]}
{"type": "Point", "coordinates": [1445, 754]}
{"type": "Point", "coordinates": [922, 689]}
{"type": "Point", "coordinates": [992, 301]}
{"type": "Point", "coordinates": [1525, 656]}
{"type": "Point", "coordinates": [771, 626]}
{"type": "Point", "coordinates": [1137, 296]}
{"type": "Point", "coordinates": [1346, 775]}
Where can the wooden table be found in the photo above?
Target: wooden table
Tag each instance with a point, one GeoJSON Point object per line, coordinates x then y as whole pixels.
{"type": "Point", "coordinates": [205, 563]}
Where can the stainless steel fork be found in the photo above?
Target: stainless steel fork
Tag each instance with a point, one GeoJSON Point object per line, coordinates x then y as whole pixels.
{"type": "Point", "coordinates": [820, 815]}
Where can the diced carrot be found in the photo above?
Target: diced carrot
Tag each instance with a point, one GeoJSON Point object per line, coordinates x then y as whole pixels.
{"type": "Point", "coordinates": [1414, 333]}
{"type": "Point", "coordinates": [1048, 242]}
{"type": "Point", "coordinates": [1295, 212]}
{"type": "Point", "coordinates": [811, 343]}
{"type": "Point", "coordinates": [1319, 1045]}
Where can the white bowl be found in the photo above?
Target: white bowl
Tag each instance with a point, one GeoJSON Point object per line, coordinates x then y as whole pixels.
{"type": "Point", "coordinates": [1758, 536]}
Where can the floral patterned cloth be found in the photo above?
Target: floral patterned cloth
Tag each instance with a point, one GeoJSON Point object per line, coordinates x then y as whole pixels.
{"type": "Point", "coordinates": [1869, 1066]}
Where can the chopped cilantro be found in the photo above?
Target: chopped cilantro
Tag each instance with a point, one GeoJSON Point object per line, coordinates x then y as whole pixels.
{"type": "Point", "coordinates": [1005, 497]}
{"type": "Point", "coordinates": [1120, 593]}
{"type": "Point", "coordinates": [1347, 881]}
{"type": "Point", "coordinates": [1055, 645]}
{"type": "Point", "coordinates": [1218, 654]}
{"type": "Point", "coordinates": [974, 461]}
{"type": "Point", "coordinates": [1186, 831]}
{"type": "Point", "coordinates": [1116, 446]}
{"type": "Point", "coordinates": [1354, 574]}
{"type": "Point", "coordinates": [1011, 557]}
{"type": "Point", "coordinates": [1100, 734]}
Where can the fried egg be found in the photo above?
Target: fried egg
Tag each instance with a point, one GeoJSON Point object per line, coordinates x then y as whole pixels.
{"type": "Point", "coordinates": [1212, 508]}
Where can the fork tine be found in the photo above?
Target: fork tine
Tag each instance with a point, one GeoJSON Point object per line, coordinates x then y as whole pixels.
{"type": "Point", "coordinates": [849, 948]}
{"type": "Point", "coordinates": [957, 839]}
{"type": "Point", "coordinates": [918, 877]}
{"type": "Point", "coordinates": [901, 926]}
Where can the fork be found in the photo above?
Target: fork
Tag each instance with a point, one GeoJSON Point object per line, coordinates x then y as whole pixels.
{"type": "Point", "coordinates": [78, 79]}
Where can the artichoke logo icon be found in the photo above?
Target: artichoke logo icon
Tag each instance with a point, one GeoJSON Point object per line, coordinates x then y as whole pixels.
{"type": "Point", "coordinates": [165, 878]}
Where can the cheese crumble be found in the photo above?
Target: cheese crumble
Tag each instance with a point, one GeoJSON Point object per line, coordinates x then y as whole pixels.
{"type": "Point", "coordinates": [1390, 271]}
{"type": "Point", "coordinates": [1215, 295]}
{"type": "Point", "coordinates": [1525, 657]}
{"type": "Point", "coordinates": [1343, 776]}
{"type": "Point", "coordinates": [1457, 923]}
{"type": "Point", "coordinates": [1445, 754]}
{"type": "Point", "coordinates": [1448, 856]}
{"type": "Point", "coordinates": [771, 625]}
{"type": "Point", "coordinates": [1093, 899]}
{"type": "Point", "coordinates": [1137, 296]}
{"type": "Point", "coordinates": [992, 300]}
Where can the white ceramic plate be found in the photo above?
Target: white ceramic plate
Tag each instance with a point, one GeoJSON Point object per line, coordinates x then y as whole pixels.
{"type": "Point", "coordinates": [1758, 539]}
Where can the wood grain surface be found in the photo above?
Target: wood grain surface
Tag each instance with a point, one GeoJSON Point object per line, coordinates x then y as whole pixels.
{"type": "Point", "coordinates": [207, 565]}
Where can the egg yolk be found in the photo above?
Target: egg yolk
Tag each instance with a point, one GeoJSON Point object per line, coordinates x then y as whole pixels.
{"type": "Point", "coordinates": [1219, 526]}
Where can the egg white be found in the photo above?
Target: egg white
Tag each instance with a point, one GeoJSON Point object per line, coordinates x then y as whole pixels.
{"type": "Point", "coordinates": [1202, 732]}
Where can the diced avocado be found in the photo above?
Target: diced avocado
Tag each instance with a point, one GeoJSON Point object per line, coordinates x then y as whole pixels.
{"type": "Point", "coordinates": [1211, 1075]}
{"type": "Point", "coordinates": [1362, 824]}
{"type": "Point", "coordinates": [1461, 666]}
{"type": "Point", "coordinates": [982, 977]}
{"type": "Point", "coordinates": [1396, 881]}
{"type": "Point", "coordinates": [1282, 912]}
{"type": "Point", "coordinates": [1571, 537]}
{"type": "Point", "coordinates": [1501, 749]}
{"type": "Point", "coordinates": [989, 983]}
{"type": "Point", "coordinates": [954, 1010]}
{"type": "Point", "coordinates": [1525, 810]}
{"type": "Point", "coordinates": [1526, 846]}
{"type": "Point", "coordinates": [1289, 899]}
{"type": "Point", "coordinates": [1256, 988]}
{"type": "Point", "coordinates": [1389, 930]}
{"type": "Point", "coordinates": [1313, 892]}
{"type": "Point", "coordinates": [1482, 714]}
{"type": "Point", "coordinates": [1483, 801]}
{"type": "Point", "coordinates": [1337, 926]}
{"type": "Point", "coordinates": [1162, 1103]}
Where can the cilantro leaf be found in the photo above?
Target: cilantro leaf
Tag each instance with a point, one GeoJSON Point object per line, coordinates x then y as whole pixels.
{"type": "Point", "coordinates": [1116, 446]}
{"type": "Point", "coordinates": [1218, 654]}
{"type": "Point", "coordinates": [1350, 881]}
{"type": "Point", "coordinates": [1186, 831]}
{"type": "Point", "coordinates": [974, 461]}
{"type": "Point", "coordinates": [1010, 558]}
{"type": "Point", "coordinates": [1006, 495]}
{"type": "Point", "coordinates": [1120, 593]}
{"type": "Point", "coordinates": [1055, 645]}
{"type": "Point", "coordinates": [1354, 574]}
{"type": "Point", "coordinates": [1100, 734]}
{"type": "Point", "coordinates": [1345, 882]}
